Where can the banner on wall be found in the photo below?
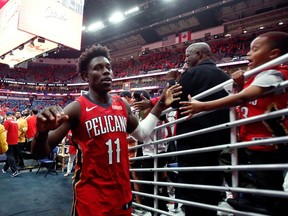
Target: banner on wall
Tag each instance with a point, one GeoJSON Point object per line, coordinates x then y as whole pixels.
{"type": "Point", "coordinates": [57, 21]}
{"type": "Point", "coordinates": [183, 37]}
{"type": "Point", "coordinates": [30, 28]}
{"type": "Point", "coordinates": [168, 40]}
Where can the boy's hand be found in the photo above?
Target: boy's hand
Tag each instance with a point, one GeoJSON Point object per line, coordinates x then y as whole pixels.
{"type": "Point", "coordinates": [238, 78]}
{"type": "Point", "coordinates": [190, 107]}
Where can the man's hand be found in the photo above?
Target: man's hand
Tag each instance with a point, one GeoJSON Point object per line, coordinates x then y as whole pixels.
{"type": "Point", "coordinates": [50, 118]}
{"type": "Point", "coordinates": [143, 104]}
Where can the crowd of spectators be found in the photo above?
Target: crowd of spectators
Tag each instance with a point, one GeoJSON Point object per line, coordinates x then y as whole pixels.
{"type": "Point", "coordinates": [163, 60]}
{"type": "Point", "coordinates": [43, 75]}
{"type": "Point", "coordinates": [17, 103]}
{"type": "Point", "coordinates": [40, 73]}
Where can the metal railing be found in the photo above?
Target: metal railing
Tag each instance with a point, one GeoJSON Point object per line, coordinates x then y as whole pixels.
{"type": "Point", "coordinates": [233, 146]}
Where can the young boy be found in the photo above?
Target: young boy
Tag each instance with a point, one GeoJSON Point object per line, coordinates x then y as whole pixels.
{"type": "Point", "coordinates": [252, 102]}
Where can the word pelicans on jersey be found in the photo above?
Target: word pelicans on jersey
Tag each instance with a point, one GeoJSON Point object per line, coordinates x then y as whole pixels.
{"type": "Point", "coordinates": [106, 124]}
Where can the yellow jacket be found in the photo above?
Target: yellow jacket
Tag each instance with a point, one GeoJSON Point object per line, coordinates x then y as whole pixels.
{"type": "Point", "coordinates": [3, 140]}
{"type": "Point", "coordinates": [22, 128]}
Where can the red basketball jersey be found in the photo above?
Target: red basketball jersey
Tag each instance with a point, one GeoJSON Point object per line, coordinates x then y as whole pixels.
{"type": "Point", "coordinates": [102, 180]}
{"type": "Point", "coordinates": [265, 104]}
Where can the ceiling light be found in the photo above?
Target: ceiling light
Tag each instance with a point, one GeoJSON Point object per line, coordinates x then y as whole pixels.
{"type": "Point", "coordinates": [116, 17]}
{"type": "Point", "coordinates": [280, 23]}
{"type": "Point", "coordinates": [96, 26]}
{"type": "Point", "coordinates": [132, 10]}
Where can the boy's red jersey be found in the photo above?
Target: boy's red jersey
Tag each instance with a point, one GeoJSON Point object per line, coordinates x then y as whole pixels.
{"type": "Point", "coordinates": [264, 104]}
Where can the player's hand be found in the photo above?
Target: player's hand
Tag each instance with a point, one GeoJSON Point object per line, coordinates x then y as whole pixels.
{"type": "Point", "coordinates": [50, 118]}
{"type": "Point", "coordinates": [170, 94]}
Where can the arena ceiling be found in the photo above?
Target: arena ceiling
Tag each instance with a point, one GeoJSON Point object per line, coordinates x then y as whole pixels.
{"type": "Point", "coordinates": [158, 18]}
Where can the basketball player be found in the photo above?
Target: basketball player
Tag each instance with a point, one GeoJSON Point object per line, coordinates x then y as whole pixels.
{"type": "Point", "coordinates": [99, 123]}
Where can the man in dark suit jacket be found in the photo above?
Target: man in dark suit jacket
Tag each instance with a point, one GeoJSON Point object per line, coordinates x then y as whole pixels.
{"type": "Point", "coordinates": [201, 75]}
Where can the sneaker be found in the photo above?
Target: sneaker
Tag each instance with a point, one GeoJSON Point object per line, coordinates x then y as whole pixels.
{"type": "Point", "coordinates": [16, 173]}
{"type": "Point", "coordinates": [66, 174]}
{"type": "Point", "coordinates": [4, 171]}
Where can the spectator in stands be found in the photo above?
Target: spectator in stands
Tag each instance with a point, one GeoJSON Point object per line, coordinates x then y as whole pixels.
{"type": "Point", "coordinates": [31, 131]}
{"type": "Point", "coordinates": [201, 75]}
{"type": "Point", "coordinates": [263, 49]}
{"type": "Point", "coordinates": [3, 137]}
{"type": "Point", "coordinates": [72, 151]}
{"type": "Point", "coordinates": [126, 95]}
{"type": "Point", "coordinates": [11, 126]}
{"type": "Point", "coordinates": [184, 68]}
{"type": "Point", "coordinates": [171, 77]}
{"type": "Point", "coordinates": [149, 151]}
{"type": "Point", "coordinates": [26, 113]}
{"type": "Point", "coordinates": [99, 123]}
{"type": "Point", "coordinates": [22, 129]}
{"type": "Point", "coordinates": [134, 152]}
